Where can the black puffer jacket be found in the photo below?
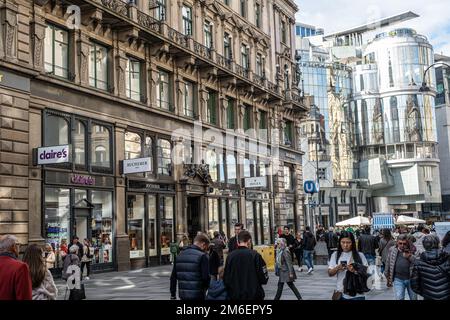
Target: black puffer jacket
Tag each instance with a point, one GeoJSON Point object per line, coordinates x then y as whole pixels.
{"type": "Point", "coordinates": [431, 275]}
{"type": "Point", "coordinates": [356, 283]}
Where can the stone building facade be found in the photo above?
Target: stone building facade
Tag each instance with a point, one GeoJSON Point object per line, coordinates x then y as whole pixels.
{"type": "Point", "coordinates": [202, 93]}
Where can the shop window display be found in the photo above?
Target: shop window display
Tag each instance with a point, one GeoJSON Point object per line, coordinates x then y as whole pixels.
{"type": "Point", "coordinates": [136, 225]}
{"type": "Point", "coordinates": [152, 226]}
{"type": "Point", "coordinates": [101, 227]}
{"type": "Point", "coordinates": [213, 212]}
{"type": "Point", "coordinates": [250, 226]}
{"type": "Point", "coordinates": [57, 221]}
{"type": "Point", "coordinates": [166, 226]}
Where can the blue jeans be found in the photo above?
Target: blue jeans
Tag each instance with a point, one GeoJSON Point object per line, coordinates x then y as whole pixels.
{"type": "Point", "coordinates": [370, 258]}
{"type": "Point", "coordinates": [356, 298]}
{"type": "Point", "coordinates": [383, 266]}
{"type": "Point", "coordinates": [400, 286]}
{"type": "Point", "coordinates": [308, 256]}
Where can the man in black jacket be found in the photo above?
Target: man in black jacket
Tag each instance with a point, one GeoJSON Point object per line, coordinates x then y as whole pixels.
{"type": "Point", "coordinates": [290, 240]}
{"type": "Point", "coordinates": [331, 239]}
{"type": "Point", "coordinates": [245, 271]}
{"type": "Point", "coordinates": [191, 270]}
{"type": "Point", "coordinates": [367, 244]}
{"type": "Point", "coordinates": [431, 273]}
{"type": "Point", "coordinates": [308, 249]}
{"type": "Point", "coordinates": [233, 242]}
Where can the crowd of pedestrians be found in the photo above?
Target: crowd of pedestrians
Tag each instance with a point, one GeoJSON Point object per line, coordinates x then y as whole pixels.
{"type": "Point", "coordinates": [31, 278]}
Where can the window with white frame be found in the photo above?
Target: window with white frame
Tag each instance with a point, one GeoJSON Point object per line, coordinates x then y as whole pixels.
{"type": "Point", "coordinates": [56, 52]}
{"type": "Point", "coordinates": [133, 79]}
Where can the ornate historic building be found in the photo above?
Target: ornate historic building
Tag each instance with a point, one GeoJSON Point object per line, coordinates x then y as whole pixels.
{"type": "Point", "coordinates": [131, 123]}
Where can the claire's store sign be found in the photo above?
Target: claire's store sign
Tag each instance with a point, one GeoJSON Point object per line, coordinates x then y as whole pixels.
{"type": "Point", "coordinates": [50, 155]}
{"type": "Point", "coordinates": [82, 180]}
{"type": "Point", "coordinates": [137, 165]}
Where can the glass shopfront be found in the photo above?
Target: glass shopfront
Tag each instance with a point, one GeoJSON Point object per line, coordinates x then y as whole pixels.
{"type": "Point", "coordinates": [86, 213]}
{"type": "Point", "coordinates": [223, 214]}
{"type": "Point", "coordinates": [78, 195]}
{"type": "Point", "coordinates": [258, 218]}
{"type": "Point", "coordinates": [151, 221]}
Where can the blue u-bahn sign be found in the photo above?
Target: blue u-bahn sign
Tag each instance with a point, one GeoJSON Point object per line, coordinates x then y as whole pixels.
{"type": "Point", "coordinates": [310, 187]}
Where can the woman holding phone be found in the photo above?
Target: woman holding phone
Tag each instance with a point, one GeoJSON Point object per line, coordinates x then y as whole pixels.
{"type": "Point", "coordinates": [346, 259]}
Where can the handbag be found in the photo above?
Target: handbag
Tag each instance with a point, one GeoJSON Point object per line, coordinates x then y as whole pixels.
{"type": "Point", "coordinates": [337, 295]}
{"type": "Point", "coordinates": [78, 294]}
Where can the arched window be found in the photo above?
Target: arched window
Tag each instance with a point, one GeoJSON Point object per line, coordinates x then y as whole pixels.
{"type": "Point", "coordinates": [164, 151]}
{"type": "Point", "coordinates": [79, 142]}
{"type": "Point", "coordinates": [133, 145]}
{"type": "Point", "coordinates": [100, 147]}
{"type": "Point", "coordinates": [56, 131]}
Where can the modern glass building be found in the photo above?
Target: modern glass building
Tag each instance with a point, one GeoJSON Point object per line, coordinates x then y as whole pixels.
{"type": "Point", "coordinates": [394, 123]}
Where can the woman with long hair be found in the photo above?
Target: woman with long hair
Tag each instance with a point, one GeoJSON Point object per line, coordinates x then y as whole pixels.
{"type": "Point", "coordinates": [298, 250]}
{"type": "Point", "coordinates": [285, 269]}
{"type": "Point", "coordinates": [41, 278]}
{"type": "Point", "coordinates": [346, 259]}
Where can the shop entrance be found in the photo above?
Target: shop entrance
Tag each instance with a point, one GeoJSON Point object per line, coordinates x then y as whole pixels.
{"type": "Point", "coordinates": [193, 216]}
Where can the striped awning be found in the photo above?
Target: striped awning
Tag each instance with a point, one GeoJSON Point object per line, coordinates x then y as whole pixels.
{"type": "Point", "coordinates": [383, 221]}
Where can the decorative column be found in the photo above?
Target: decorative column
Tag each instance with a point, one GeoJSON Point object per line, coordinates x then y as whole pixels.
{"type": "Point", "coordinates": [8, 31]}
{"type": "Point", "coordinates": [122, 240]}
{"type": "Point", "coordinates": [121, 67]}
{"type": "Point", "coordinates": [38, 34]}
{"type": "Point", "coordinates": [179, 95]}
{"type": "Point", "coordinates": [83, 56]}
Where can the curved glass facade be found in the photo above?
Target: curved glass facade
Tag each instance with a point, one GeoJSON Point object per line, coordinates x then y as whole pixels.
{"type": "Point", "coordinates": [395, 119]}
{"type": "Point", "coordinates": [391, 109]}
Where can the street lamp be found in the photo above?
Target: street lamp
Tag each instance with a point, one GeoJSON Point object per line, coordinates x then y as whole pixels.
{"type": "Point", "coordinates": [424, 87]}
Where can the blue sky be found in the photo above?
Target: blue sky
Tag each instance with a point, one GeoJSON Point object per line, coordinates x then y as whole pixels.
{"type": "Point", "coordinates": [336, 15]}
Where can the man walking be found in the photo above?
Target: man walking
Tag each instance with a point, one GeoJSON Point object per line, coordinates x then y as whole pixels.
{"type": "Point", "coordinates": [430, 274]}
{"type": "Point", "coordinates": [331, 239]}
{"type": "Point", "coordinates": [15, 279]}
{"type": "Point", "coordinates": [233, 242]}
{"type": "Point", "coordinates": [76, 241]}
{"type": "Point", "coordinates": [398, 268]}
{"type": "Point", "coordinates": [308, 251]}
{"type": "Point", "coordinates": [245, 271]}
{"type": "Point", "coordinates": [367, 245]}
{"type": "Point", "coordinates": [290, 240]}
{"type": "Point", "coordinates": [191, 270]}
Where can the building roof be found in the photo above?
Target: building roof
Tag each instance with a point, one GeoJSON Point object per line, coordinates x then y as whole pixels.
{"type": "Point", "coordinates": [375, 24]}
{"type": "Point", "coordinates": [440, 57]}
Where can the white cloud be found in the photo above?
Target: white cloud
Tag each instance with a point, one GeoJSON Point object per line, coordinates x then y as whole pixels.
{"type": "Point", "coordinates": [339, 15]}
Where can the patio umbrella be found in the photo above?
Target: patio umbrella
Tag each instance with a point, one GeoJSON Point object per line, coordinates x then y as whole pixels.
{"type": "Point", "coordinates": [408, 220]}
{"type": "Point", "coordinates": [356, 221]}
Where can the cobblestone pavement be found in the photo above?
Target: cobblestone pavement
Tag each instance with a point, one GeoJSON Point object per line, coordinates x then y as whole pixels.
{"type": "Point", "coordinates": [153, 284]}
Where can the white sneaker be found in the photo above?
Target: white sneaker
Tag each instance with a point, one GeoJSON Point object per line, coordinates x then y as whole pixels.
{"type": "Point", "coordinates": [310, 270]}
{"type": "Point", "coordinates": [300, 269]}
{"type": "Point", "coordinates": [87, 278]}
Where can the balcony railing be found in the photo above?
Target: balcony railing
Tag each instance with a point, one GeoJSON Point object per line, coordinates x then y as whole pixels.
{"type": "Point", "coordinates": [163, 30]}
{"type": "Point", "coordinates": [149, 22]}
{"type": "Point", "coordinates": [117, 6]}
{"type": "Point", "coordinates": [178, 37]}
{"type": "Point", "coordinates": [202, 50]}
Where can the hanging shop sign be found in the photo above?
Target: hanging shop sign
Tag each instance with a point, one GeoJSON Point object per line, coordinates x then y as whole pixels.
{"type": "Point", "coordinates": [51, 155]}
{"type": "Point", "coordinates": [144, 186]}
{"type": "Point", "coordinates": [256, 182]}
{"type": "Point", "coordinates": [137, 165]}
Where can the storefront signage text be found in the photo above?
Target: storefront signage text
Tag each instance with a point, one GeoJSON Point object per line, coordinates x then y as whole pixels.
{"type": "Point", "coordinates": [84, 180]}
{"type": "Point", "coordinates": [12, 80]}
{"type": "Point", "coordinates": [55, 154]}
{"type": "Point", "coordinates": [256, 182]}
{"type": "Point", "coordinates": [137, 165]}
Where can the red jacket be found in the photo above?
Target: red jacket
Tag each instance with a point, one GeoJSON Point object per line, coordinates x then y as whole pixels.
{"type": "Point", "coordinates": [15, 279]}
